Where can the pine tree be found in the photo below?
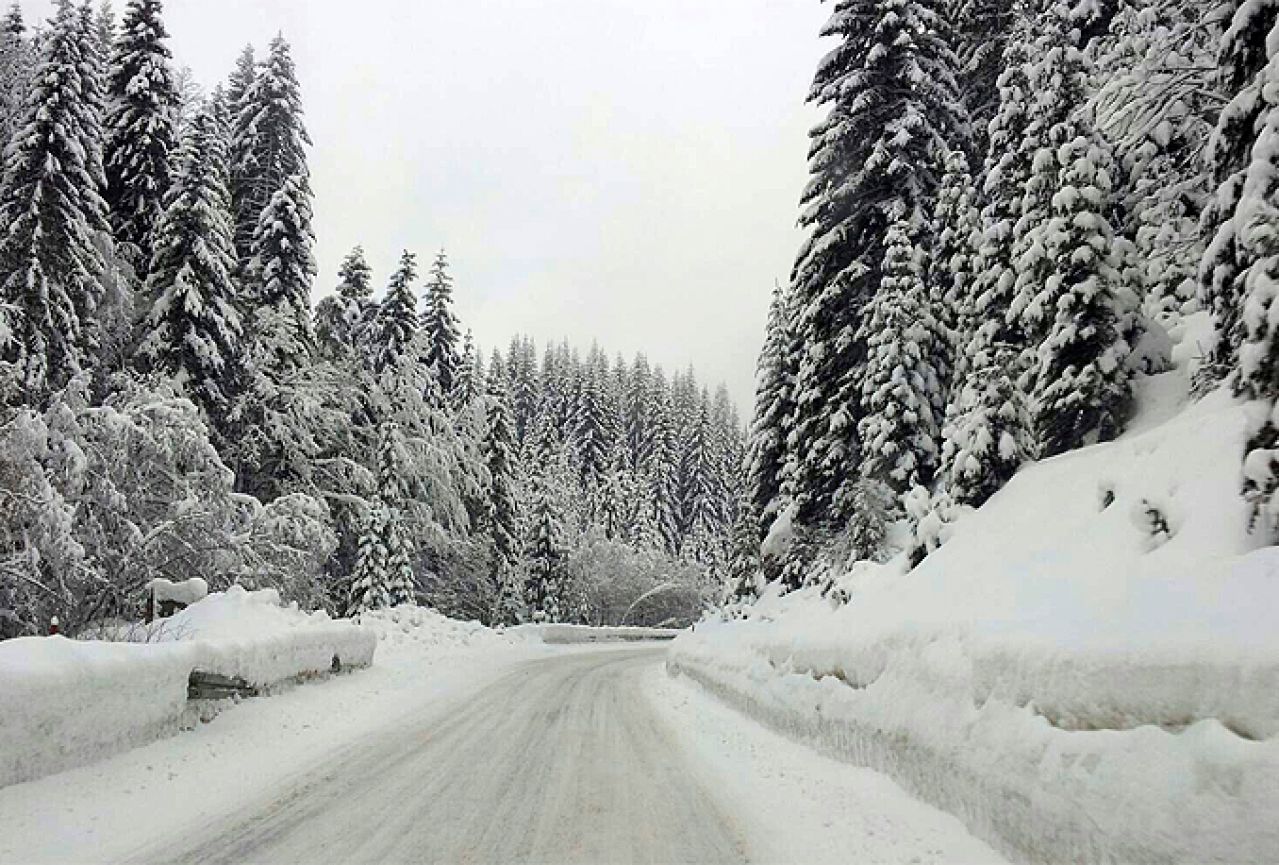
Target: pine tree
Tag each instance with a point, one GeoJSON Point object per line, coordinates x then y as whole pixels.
{"type": "Point", "coordinates": [440, 326]}
{"type": "Point", "coordinates": [894, 113]}
{"type": "Point", "coordinates": [141, 130]}
{"type": "Point", "coordinates": [397, 323]}
{"type": "Point", "coordinates": [898, 428]}
{"type": "Point", "coordinates": [54, 214]}
{"type": "Point", "coordinates": [192, 332]}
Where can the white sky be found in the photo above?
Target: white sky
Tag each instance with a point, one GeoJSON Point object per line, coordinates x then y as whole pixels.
{"type": "Point", "coordinates": [619, 170]}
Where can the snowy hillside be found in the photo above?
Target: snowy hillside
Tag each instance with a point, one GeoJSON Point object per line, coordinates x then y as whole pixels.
{"type": "Point", "coordinates": [1088, 668]}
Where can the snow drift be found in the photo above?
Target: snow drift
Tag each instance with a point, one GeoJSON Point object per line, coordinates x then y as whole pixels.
{"type": "Point", "coordinates": [66, 702]}
{"type": "Point", "coordinates": [1087, 671]}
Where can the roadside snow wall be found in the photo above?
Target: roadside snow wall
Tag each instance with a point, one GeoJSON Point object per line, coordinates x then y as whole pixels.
{"type": "Point", "coordinates": [557, 634]}
{"type": "Point", "coordinates": [1075, 681]}
{"type": "Point", "coordinates": [64, 703]}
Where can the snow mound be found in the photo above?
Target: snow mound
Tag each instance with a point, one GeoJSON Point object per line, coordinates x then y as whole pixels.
{"type": "Point", "coordinates": [1087, 670]}
{"type": "Point", "coordinates": [67, 702]}
{"type": "Point", "coordinates": [249, 635]}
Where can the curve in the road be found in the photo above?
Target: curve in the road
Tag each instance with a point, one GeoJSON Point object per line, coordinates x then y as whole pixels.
{"type": "Point", "coordinates": [562, 761]}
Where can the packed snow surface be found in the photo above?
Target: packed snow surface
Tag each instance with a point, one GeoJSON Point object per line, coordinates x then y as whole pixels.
{"type": "Point", "coordinates": [1087, 670]}
{"type": "Point", "coordinates": [466, 745]}
{"type": "Point", "coordinates": [68, 702]}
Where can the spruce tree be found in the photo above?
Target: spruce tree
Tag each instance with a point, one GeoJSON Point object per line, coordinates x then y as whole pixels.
{"type": "Point", "coordinates": [1081, 388]}
{"type": "Point", "coordinates": [371, 578]}
{"type": "Point", "coordinates": [986, 437]}
{"type": "Point", "coordinates": [269, 143]}
{"type": "Point", "coordinates": [342, 318]}
{"type": "Point", "coordinates": [894, 113]}
{"type": "Point", "coordinates": [280, 276]}
{"type": "Point", "coordinates": [397, 323]}
{"type": "Point", "coordinates": [773, 404]}
{"type": "Point", "coordinates": [546, 554]}
{"type": "Point", "coordinates": [17, 65]}
{"type": "Point", "coordinates": [392, 498]}
{"type": "Point", "coordinates": [898, 427]}
{"type": "Point", "coordinates": [1249, 77]}
{"type": "Point", "coordinates": [244, 166]}
{"type": "Point", "coordinates": [498, 449]}
{"type": "Point", "coordinates": [440, 326]}
{"type": "Point", "coordinates": [54, 214]}
{"type": "Point", "coordinates": [192, 332]}
{"type": "Point", "coordinates": [141, 130]}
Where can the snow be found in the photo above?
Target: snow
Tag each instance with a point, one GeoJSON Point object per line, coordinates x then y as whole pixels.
{"type": "Point", "coordinates": [1088, 669]}
{"type": "Point", "coordinates": [71, 702]}
{"type": "Point", "coordinates": [186, 592]}
{"type": "Point", "coordinates": [798, 806]}
{"type": "Point", "coordinates": [169, 788]}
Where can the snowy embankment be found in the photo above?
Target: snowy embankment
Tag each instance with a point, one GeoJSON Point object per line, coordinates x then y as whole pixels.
{"type": "Point", "coordinates": [108, 810]}
{"type": "Point", "coordinates": [68, 702]}
{"type": "Point", "coordinates": [1087, 671]}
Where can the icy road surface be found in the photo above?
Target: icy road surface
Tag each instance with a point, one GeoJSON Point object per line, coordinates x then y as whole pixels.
{"type": "Point", "coordinates": [503, 756]}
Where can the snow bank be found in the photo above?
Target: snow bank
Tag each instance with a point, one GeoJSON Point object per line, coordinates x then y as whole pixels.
{"type": "Point", "coordinates": [248, 635]}
{"type": "Point", "coordinates": [1087, 671]}
{"type": "Point", "coordinates": [65, 703]}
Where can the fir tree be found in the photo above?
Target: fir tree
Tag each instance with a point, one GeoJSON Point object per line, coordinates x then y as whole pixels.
{"type": "Point", "coordinates": [54, 215]}
{"type": "Point", "coordinates": [141, 130]}
{"type": "Point", "coordinates": [192, 332]}
{"type": "Point", "coordinates": [440, 326]}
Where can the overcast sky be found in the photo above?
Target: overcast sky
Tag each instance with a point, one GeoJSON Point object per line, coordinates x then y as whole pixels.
{"type": "Point", "coordinates": [615, 170]}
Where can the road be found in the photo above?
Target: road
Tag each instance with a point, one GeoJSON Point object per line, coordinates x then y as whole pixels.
{"type": "Point", "coordinates": [561, 761]}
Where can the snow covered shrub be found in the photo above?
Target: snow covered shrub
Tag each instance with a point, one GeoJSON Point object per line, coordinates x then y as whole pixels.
{"type": "Point", "coordinates": [289, 542]}
{"type": "Point", "coordinates": [615, 584]}
{"type": "Point", "coordinates": [931, 516]}
{"type": "Point", "coordinates": [1154, 522]}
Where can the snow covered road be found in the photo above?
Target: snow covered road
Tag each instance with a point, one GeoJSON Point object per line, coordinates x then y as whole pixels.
{"type": "Point", "coordinates": [560, 761]}
{"type": "Point", "coordinates": [580, 755]}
